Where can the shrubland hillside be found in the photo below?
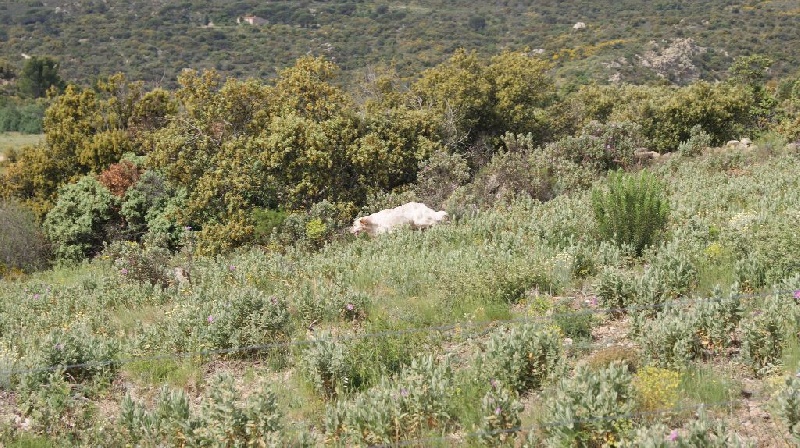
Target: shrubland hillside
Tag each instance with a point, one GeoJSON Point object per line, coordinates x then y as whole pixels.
{"type": "Point", "coordinates": [618, 270]}
{"type": "Point", "coordinates": [630, 40]}
{"type": "Point", "coordinates": [518, 322]}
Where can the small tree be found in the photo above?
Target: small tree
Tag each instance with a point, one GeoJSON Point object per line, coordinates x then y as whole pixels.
{"type": "Point", "coordinates": [632, 211]}
{"type": "Point", "coordinates": [37, 76]}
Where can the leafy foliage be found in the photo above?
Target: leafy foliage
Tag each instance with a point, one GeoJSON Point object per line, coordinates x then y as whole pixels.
{"type": "Point", "coordinates": [78, 223]}
{"type": "Point", "coordinates": [633, 211]}
{"type": "Point", "coordinates": [590, 407]}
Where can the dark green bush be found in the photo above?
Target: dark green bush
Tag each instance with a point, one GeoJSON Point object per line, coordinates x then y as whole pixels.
{"type": "Point", "coordinates": [632, 211]}
{"type": "Point", "coordinates": [78, 223]}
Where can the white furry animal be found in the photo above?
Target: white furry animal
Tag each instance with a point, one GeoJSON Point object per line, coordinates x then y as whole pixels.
{"type": "Point", "coordinates": [415, 214]}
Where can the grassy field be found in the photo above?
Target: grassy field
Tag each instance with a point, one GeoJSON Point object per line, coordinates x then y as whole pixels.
{"type": "Point", "coordinates": [15, 140]}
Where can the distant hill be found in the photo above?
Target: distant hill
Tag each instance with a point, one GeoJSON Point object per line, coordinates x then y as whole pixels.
{"type": "Point", "coordinates": [623, 40]}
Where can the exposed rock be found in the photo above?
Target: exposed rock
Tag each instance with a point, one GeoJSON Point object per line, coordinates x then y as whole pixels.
{"type": "Point", "coordinates": [673, 60]}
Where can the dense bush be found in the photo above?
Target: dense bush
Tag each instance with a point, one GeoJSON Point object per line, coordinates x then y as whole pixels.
{"type": "Point", "coordinates": [698, 141]}
{"type": "Point", "coordinates": [501, 416]}
{"type": "Point", "coordinates": [78, 223]}
{"type": "Point", "coordinates": [397, 409]}
{"type": "Point", "coordinates": [700, 432]}
{"type": "Point", "coordinates": [523, 357]}
{"type": "Point", "coordinates": [591, 408]}
{"type": "Point", "coordinates": [766, 331]}
{"type": "Point", "coordinates": [789, 406]}
{"type": "Point", "coordinates": [223, 417]}
{"type": "Point", "coordinates": [633, 211]}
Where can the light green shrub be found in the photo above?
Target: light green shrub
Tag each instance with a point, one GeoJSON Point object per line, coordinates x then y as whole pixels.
{"type": "Point", "coordinates": [591, 408]}
{"type": "Point", "coordinates": [79, 353]}
{"type": "Point", "coordinates": [141, 262]}
{"type": "Point", "coordinates": [396, 409]}
{"type": "Point", "coordinates": [633, 211]}
{"type": "Point", "coordinates": [765, 331]}
{"type": "Point", "coordinates": [671, 340]}
{"type": "Point", "coordinates": [328, 365]}
{"type": "Point", "coordinates": [501, 416]}
{"type": "Point", "coordinates": [522, 357]}
{"type": "Point", "coordinates": [698, 141]}
{"type": "Point", "coordinates": [789, 406]}
{"type": "Point", "coordinates": [223, 418]}
{"type": "Point", "coordinates": [701, 432]}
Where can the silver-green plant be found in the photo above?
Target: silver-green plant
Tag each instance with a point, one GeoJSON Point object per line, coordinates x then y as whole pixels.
{"type": "Point", "coordinates": [789, 406]}
{"type": "Point", "coordinates": [522, 357]}
{"type": "Point", "coordinates": [592, 408]}
{"type": "Point", "coordinates": [765, 332]}
{"type": "Point", "coordinates": [328, 365]}
{"type": "Point", "coordinates": [633, 209]}
{"type": "Point", "coordinates": [697, 142]}
{"type": "Point", "coordinates": [671, 340]}
{"type": "Point", "coordinates": [501, 416]}
{"type": "Point", "coordinates": [397, 409]}
{"type": "Point", "coordinates": [223, 418]}
{"type": "Point", "coordinates": [702, 432]}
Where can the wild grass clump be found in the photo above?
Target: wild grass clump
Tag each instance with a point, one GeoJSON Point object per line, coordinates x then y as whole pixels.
{"type": "Point", "coordinates": [632, 211]}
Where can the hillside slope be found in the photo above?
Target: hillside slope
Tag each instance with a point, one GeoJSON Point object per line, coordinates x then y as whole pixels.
{"type": "Point", "coordinates": [626, 40]}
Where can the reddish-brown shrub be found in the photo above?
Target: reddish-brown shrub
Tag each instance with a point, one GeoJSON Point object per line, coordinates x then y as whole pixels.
{"type": "Point", "coordinates": [119, 177]}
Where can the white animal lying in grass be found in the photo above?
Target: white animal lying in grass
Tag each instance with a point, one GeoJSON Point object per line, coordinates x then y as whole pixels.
{"type": "Point", "coordinates": [415, 214]}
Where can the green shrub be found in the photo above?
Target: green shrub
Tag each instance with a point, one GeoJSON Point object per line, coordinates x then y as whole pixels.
{"type": "Point", "coordinates": [522, 171]}
{"type": "Point", "coordinates": [223, 418]}
{"type": "Point", "coordinates": [591, 407]}
{"type": "Point", "coordinates": [141, 262]}
{"type": "Point", "coordinates": [266, 221]}
{"type": "Point", "coordinates": [54, 407]}
{"type": "Point", "coordinates": [765, 332]}
{"type": "Point", "coordinates": [522, 357]}
{"type": "Point", "coordinates": [22, 243]}
{"type": "Point", "coordinates": [397, 409]}
{"type": "Point", "coordinates": [632, 211]}
{"type": "Point", "coordinates": [701, 432]}
{"type": "Point", "coordinates": [616, 289]}
{"type": "Point", "coordinates": [312, 229]}
{"type": "Point", "coordinates": [439, 176]}
{"type": "Point", "coordinates": [79, 354]}
{"type": "Point", "coordinates": [501, 420]}
{"type": "Point", "coordinates": [789, 406]}
{"type": "Point", "coordinates": [78, 223]}
{"type": "Point", "coordinates": [698, 141]}
{"type": "Point", "coordinates": [717, 319]}
{"type": "Point", "coordinates": [328, 365]}
{"type": "Point", "coordinates": [671, 340]}
{"type": "Point", "coordinates": [249, 317]}
{"type": "Point", "coordinates": [152, 207]}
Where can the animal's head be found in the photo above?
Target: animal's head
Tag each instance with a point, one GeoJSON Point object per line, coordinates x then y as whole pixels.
{"type": "Point", "coordinates": [442, 216]}
{"type": "Point", "coordinates": [360, 225]}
